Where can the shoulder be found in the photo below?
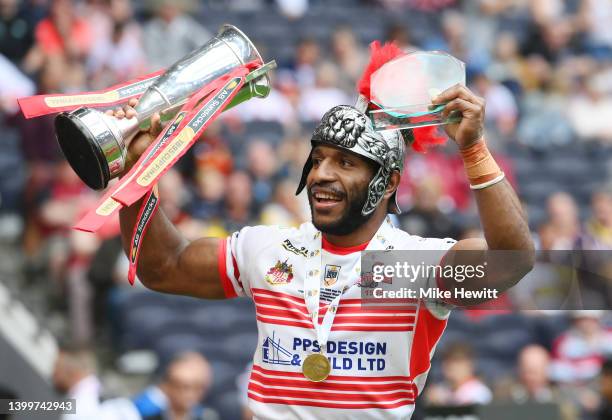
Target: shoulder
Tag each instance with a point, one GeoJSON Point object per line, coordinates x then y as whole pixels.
{"type": "Point", "coordinates": [271, 232]}
{"type": "Point", "coordinates": [263, 237]}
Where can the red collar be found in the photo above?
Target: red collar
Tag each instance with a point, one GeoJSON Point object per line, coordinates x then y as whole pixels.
{"type": "Point", "coordinates": [340, 250]}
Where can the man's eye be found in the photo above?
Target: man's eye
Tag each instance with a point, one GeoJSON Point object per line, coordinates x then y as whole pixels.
{"type": "Point", "coordinates": [346, 163]}
{"type": "Point", "coordinates": [316, 161]}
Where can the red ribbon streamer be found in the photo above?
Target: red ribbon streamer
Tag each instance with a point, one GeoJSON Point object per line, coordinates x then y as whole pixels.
{"type": "Point", "coordinates": [38, 105]}
{"type": "Point", "coordinates": [197, 120]}
{"type": "Point", "coordinates": [145, 215]}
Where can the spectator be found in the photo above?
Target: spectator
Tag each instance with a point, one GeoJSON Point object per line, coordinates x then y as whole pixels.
{"type": "Point", "coordinates": [349, 56]}
{"type": "Point", "coordinates": [589, 110]}
{"type": "Point", "coordinates": [460, 386]}
{"type": "Point", "coordinates": [171, 34]}
{"type": "Point", "coordinates": [429, 215]}
{"type": "Point", "coordinates": [398, 33]}
{"type": "Point", "coordinates": [13, 85]}
{"type": "Point", "coordinates": [285, 209]}
{"type": "Point", "coordinates": [578, 356]}
{"type": "Point", "coordinates": [307, 58]}
{"type": "Point", "coordinates": [502, 109]}
{"type": "Point", "coordinates": [64, 32]}
{"type": "Point", "coordinates": [598, 230]}
{"type": "Point", "coordinates": [17, 30]}
{"type": "Point", "coordinates": [563, 221]}
{"type": "Point", "coordinates": [533, 384]}
{"type": "Point", "coordinates": [595, 16]}
{"type": "Point", "coordinates": [238, 209]}
{"type": "Point", "coordinates": [578, 352]}
{"type": "Point", "coordinates": [74, 376]}
{"type": "Point", "coordinates": [119, 56]}
{"type": "Point", "coordinates": [178, 396]}
{"type": "Point", "coordinates": [209, 193]}
{"type": "Point", "coordinates": [318, 99]}
{"type": "Point", "coordinates": [263, 166]}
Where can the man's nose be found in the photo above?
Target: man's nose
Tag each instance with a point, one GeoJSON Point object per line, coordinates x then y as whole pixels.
{"type": "Point", "coordinates": [324, 172]}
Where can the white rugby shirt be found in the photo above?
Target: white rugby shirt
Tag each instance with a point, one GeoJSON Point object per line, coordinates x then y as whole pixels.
{"type": "Point", "coordinates": [380, 359]}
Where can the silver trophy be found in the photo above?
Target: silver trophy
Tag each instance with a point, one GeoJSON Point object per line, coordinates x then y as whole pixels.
{"type": "Point", "coordinates": [95, 144]}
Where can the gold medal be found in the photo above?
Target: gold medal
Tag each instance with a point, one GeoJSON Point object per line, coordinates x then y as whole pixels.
{"type": "Point", "coordinates": [316, 367]}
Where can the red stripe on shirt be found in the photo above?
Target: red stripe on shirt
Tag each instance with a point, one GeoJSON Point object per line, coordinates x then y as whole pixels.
{"type": "Point", "coordinates": [334, 386]}
{"type": "Point", "coordinates": [354, 406]}
{"type": "Point", "coordinates": [368, 379]}
{"type": "Point", "coordinates": [335, 326]}
{"type": "Point", "coordinates": [340, 318]}
{"type": "Point", "coordinates": [320, 394]}
{"type": "Point", "coordinates": [348, 305]}
{"type": "Point", "coordinates": [228, 288]}
{"type": "Point", "coordinates": [428, 331]}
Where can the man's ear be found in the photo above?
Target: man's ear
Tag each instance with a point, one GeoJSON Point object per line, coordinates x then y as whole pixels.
{"type": "Point", "coordinates": [393, 184]}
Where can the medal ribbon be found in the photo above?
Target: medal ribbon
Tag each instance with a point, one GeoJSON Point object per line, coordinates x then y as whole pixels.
{"type": "Point", "coordinates": [38, 105]}
{"type": "Point", "coordinates": [312, 286]}
{"type": "Point", "coordinates": [312, 292]}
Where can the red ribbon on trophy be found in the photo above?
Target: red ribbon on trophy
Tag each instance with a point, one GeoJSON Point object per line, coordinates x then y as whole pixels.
{"type": "Point", "coordinates": [36, 106]}
{"type": "Point", "coordinates": [160, 156]}
{"type": "Point", "coordinates": [202, 85]}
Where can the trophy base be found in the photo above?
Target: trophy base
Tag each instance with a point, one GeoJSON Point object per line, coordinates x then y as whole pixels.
{"type": "Point", "coordinates": [83, 153]}
{"type": "Point", "coordinates": [413, 116]}
{"type": "Point", "coordinates": [93, 143]}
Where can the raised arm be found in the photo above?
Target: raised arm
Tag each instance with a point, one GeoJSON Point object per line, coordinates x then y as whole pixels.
{"type": "Point", "coordinates": [168, 262]}
{"type": "Point", "coordinates": [503, 220]}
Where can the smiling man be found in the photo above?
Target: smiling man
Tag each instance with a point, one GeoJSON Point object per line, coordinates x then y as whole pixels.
{"type": "Point", "coordinates": [320, 354]}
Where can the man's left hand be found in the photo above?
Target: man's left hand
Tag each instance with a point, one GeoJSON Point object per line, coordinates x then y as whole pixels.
{"type": "Point", "coordinates": [472, 109]}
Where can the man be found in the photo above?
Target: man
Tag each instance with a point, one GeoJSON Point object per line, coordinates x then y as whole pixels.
{"type": "Point", "coordinates": [178, 395]}
{"type": "Point", "coordinates": [184, 384]}
{"type": "Point", "coordinates": [533, 384]}
{"type": "Point", "coordinates": [310, 363]}
{"type": "Point", "coordinates": [461, 385]}
{"type": "Point", "coordinates": [74, 377]}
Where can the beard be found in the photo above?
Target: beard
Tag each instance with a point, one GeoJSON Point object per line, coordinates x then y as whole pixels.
{"type": "Point", "coordinates": [350, 219]}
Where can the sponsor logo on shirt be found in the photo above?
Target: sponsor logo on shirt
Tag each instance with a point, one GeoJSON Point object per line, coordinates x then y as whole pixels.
{"type": "Point", "coordinates": [274, 353]}
{"type": "Point", "coordinates": [332, 272]}
{"type": "Point", "coordinates": [280, 273]}
{"type": "Point", "coordinates": [292, 248]}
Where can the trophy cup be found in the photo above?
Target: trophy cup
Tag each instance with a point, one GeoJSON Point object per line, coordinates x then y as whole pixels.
{"type": "Point", "coordinates": [95, 144]}
{"type": "Point", "coordinates": [402, 89]}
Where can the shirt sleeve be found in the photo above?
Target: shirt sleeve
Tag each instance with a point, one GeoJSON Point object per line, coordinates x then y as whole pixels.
{"type": "Point", "coordinates": [234, 256]}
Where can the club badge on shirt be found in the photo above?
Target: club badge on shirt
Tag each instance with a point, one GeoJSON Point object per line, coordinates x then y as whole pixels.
{"type": "Point", "coordinates": [280, 273]}
{"type": "Point", "coordinates": [332, 272]}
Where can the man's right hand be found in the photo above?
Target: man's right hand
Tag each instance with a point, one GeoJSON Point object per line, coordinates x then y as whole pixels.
{"type": "Point", "coordinates": [143, 139]}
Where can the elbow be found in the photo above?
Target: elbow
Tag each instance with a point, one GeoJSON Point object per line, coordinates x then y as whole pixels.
{"type": "Point", "coordinates": [523, 262]}
{"type": "Point", "coordinates": [154, 279]}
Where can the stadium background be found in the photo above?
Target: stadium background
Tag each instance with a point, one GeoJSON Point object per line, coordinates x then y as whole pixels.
{"type": "Point", "coordinates": [545, 68]}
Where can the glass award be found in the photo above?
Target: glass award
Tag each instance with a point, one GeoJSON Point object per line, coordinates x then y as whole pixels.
{"type": "Point", "coordinates": [403, 89]}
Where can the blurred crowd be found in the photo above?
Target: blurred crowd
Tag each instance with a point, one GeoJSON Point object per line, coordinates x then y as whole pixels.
{"type": "Point", "coordinates": [544, 67]}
